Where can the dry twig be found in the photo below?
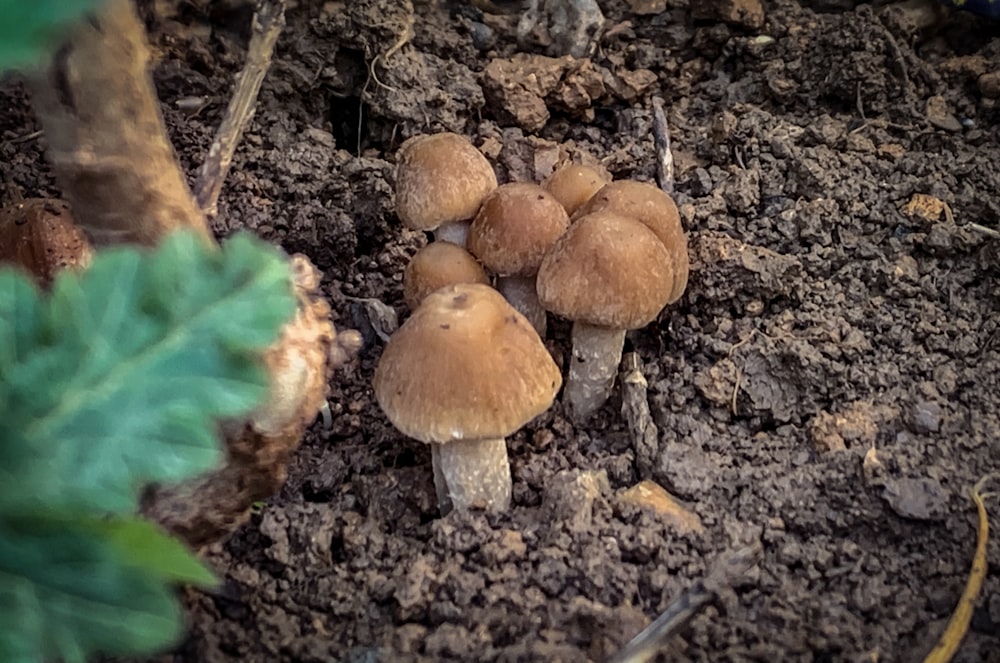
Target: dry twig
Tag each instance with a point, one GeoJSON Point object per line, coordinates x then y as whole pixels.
{"type": "Point", "coordinates": [958, 625]}
{"type": "Point", "coordinates": [268, 22]}
{"type": "Point", "coordinates": [661, 139]}
{"type": "Point", "coordinates": [728, 570]}
{"type": "Point", "coordinates": [635, 407]}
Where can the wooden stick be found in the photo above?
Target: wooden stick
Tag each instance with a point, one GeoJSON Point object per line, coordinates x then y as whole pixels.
{"type": "Point", "coordinates": [268, 22]}
{"type": "Point", "coordinates": [661, 139]}
{"type": "Point", "coordinates": [635, 407]}
{"type": "Point", "coordinates": [727, 571]}
{"type": "Point", "coordinates": [947, 646]}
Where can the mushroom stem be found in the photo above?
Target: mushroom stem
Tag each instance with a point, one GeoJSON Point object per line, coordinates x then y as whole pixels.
{"type": "Point", "coordinates": [597, 351]}
{"type": "Point", "coordinates": [456, 233]}
{"type": "Point", "coordinates": [471, 473]}
{"type": "Point", "coordinates": [520, 292]}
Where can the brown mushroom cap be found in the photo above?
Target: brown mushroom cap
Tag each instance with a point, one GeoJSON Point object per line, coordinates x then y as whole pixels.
{"type": "Point", "coordinates": [440, 178]}
{"type": "Point", "coordinates": [437, 265]}
{"type": "Point", "coordinates": [515, 226]}
{"type": "Point", "coordinates": [608, 270]}
{"type": "Point", "coordinates": [465, 365]}
{"type": "Point", "coordinates": [39, 234]}
{"type": "Point", "coordinates": [574, 184]}
{"type": "Point", "coordinates": [649, 204]}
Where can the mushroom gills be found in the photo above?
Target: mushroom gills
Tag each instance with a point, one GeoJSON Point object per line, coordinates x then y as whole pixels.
{"type": "Point", "coordinates": [597, 351]}
{"type": "Point", "coordinates": [471, 473]}
{"type": "Point", "coordinates": [520, 291]}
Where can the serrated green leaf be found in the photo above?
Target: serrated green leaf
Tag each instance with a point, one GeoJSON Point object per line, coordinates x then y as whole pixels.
{"type": "Point", "coordinates": [147, 547]}
{"type": "Point", "coordinates": [31, 30]}
{"type": "Point", "coordinates": [65, 593]}
{"type": "Point", "coordinates": [120, 376]}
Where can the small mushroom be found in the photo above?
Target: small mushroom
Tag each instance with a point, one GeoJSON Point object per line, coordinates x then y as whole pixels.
{"type": "Point", "coordinates": [515, 226]}
{"type": "Point", "coordinates": [609, 273]}
{"type": "Point", "coordinates": [463, 372]}
{"type": "Point", "coordinates": [437, 265]}
{"type": "Point", "coordinates": [654, 208]}
{"type": "Point", "coordinates": [574, 184]}
{"type": "Point", "coordinates": [441, 180]}
{"type": "Point", "coordinates": [39, 234]}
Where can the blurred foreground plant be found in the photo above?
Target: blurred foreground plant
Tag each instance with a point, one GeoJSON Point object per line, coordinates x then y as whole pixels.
{"type": "Point", "coordinates": [118, 384]}
{"type": "Point", "coordinates": [117, 378]}
{"type": "Point", "coordinates": [29, 30]}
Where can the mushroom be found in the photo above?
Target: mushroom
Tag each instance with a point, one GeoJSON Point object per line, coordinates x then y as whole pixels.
{"type": "Point", "coordinates": [437, 265]}
{"type": "Point", "coordinates": [515, 226]}
{"type": "Point", "coordinates": [574, 184]}
{"type": "Point", "coordinates": [609, 273]}
{"type": "Point", "coordinates": [39, 234]}
{"type": "Point", "coordinates": [463, 372]}
{"type": "Point", "coordinates": [654, 208]}
{"type": "Point", "coordinates": [441, 179]}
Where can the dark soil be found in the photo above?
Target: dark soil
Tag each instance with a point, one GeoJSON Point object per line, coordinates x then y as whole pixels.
{"type": "Point", "coordinates": [829, 314]}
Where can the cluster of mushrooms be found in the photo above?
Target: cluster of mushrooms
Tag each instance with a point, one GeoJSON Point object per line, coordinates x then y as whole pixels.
{"type": "Point", "coordinates": [469, 367]}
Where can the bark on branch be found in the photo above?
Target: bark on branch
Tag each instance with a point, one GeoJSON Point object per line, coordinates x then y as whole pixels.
{"type": "Point", "coordinates": [107, 141]}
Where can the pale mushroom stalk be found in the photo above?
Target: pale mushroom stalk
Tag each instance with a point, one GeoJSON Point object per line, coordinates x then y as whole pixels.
{"type": "Point", "coordinates": [597, 351]}
{"type": "Point", "coordinates": [473, 473]}
{"type": "Point", "coordinates": [520, 291]}
{"type": "Point", "coordinates": [456, 233]}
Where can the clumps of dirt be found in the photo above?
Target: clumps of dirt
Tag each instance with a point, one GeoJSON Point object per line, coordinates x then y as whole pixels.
{"type": "Point", "coordinates": [825, 387]}
{"type": "Point", "coordinates": [459, 571]}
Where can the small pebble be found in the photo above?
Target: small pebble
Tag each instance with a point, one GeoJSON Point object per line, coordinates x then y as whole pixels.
{"type": "Point", "coordinates": [916, 498]}
{"type": "Point", "coordinates": [483, 37]}
{"type": "Point", "coordinates": [926, 417]}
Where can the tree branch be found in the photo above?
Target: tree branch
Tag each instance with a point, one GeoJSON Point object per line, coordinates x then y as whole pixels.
{"type": "Point", "coordinates": [107, 141]}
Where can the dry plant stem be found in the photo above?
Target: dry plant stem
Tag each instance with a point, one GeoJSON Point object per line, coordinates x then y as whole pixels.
{"type": "Point", "coordinates": [268, 22]}
{"type": "Point", "coordinates": [947, 646]}
{"type": "Point", "coordinates": [729, 570]}
{"type": "Point", "coordinates": [521, 293]}
{"type": "Point", "coordinates": [106, 138]}
{"type": "Point", "coordinates": [635, 407]}
{"type": "Point", "coordinates": [456, 233]}
{"type": "Point", "coordinates": [597, 351]}
{"type": "Point", "coordinates": [471, 473]}
{"type": "Point", "coordinates": [985, 230]}
{"type": "Point", "coordinates": [661, 140]}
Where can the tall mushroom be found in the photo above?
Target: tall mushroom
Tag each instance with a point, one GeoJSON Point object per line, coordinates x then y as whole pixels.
{"type": "Point", "coordinates": [609, 273]}
{"type": "Point", "coordinates": [515, 226]}
{"type": "Point", "coordinates": [647, 203]}
{"type": "Point", "coordinates": [463, 372]}
{"type": "Point", "coordinates": [39, 234]}
{"type": "Point", "coordinates": [441, 180]}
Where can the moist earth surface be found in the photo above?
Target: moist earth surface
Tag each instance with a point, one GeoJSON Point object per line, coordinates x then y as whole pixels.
{"type": "Point", "coordinates": [827, 388]}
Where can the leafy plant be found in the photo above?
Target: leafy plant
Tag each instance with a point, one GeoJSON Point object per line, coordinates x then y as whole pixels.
{"type": "Point", "coordinates": [115, 379]}
{"type": "Point", "coordinates": [29, 30]}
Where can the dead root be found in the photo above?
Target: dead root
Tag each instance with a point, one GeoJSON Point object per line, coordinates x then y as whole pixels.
{"type": "Point", "coordinates": [948, 644]}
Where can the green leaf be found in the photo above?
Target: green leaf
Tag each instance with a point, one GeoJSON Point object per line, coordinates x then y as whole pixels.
{"type": "Point", "coordinates": [150, 549]}
{"type": "Point", "coordinates": [120, 377]}
{"type": "Point", "coordinates": [30, 30]}
{"type": "Point", "coordinates": [66, 591]}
